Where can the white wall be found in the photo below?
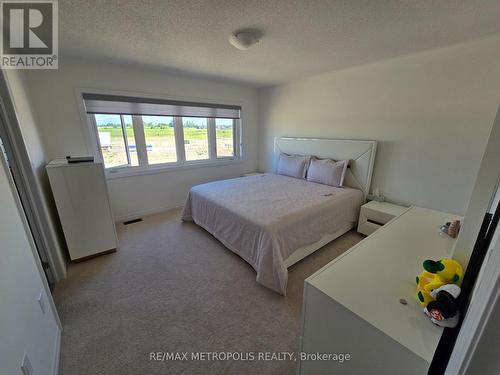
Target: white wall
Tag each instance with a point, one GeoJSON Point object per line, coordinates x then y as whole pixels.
{"type": "Point", "coordinates": [16, 81]}
{"type": "Point", "coordinates": [63, 131]}
{"type": "Point", "coordinates": [482, 195]}
{"type": "Point", "coordinates": [24, 328]}
{"type": "Point", "coordinates": [432, 113]}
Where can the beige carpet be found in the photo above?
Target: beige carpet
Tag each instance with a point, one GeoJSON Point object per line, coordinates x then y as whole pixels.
{"type": "Point", "coordinates": [172, 287]}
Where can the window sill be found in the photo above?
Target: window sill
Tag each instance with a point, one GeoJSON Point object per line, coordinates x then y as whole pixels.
{"type": "Point", "coordinates": [138, 171]}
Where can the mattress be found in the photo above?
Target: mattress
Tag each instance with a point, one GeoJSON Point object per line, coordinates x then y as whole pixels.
{"type": "Point", "coordinates": [265, 218]}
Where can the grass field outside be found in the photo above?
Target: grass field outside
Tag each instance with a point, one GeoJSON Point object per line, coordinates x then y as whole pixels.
{"type": "Point", "coordinates": [160, 142]}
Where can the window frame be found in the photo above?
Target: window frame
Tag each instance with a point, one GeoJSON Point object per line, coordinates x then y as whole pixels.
{"type": "Point", "coordinates": [209, 141]}
{"type": "Point", "coordinates": [145, 168]}
{"type": "Point", "coordinates": [125, 141]}
{"type": "Point", "coordinates": [235, 139]}
{"type": "Point", "coordinates": [144, 150]}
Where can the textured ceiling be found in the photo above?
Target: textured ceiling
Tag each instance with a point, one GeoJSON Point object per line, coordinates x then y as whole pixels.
{"type": "Point", "coordinates": [301, 38]}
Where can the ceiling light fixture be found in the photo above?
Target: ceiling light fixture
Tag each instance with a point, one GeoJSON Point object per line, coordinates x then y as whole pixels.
{"type": "Point", "coordinates": [244, 39]}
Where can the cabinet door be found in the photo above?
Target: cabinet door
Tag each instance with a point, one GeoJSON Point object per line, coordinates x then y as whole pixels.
{"type": "Point", "coordinates": [80, 193]}
{"type": "Point", "coordinates": [328, 327]}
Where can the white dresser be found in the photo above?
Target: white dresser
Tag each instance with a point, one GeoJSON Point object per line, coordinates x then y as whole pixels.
{"type": "Point", "coordinates": [351, 306]}
{"type": "Point", "coordinates": [81, 197]}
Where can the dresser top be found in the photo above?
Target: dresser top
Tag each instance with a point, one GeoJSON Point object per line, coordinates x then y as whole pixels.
{"type": "Point", "coordinates": [371, 277]}
{"type": "Point", "coordinates": [63, 162]}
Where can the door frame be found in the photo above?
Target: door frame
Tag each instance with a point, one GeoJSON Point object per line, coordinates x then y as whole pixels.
{"type": "Point", "coordinates": [27, 185]}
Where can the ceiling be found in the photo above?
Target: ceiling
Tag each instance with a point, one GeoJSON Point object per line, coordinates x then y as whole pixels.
{"type": "Point", "coordinates": [301, 38]}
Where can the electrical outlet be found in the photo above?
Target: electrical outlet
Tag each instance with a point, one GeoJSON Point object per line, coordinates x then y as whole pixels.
{"type": "Point", "coordinates": [41, 302]}
{"type": "Point", "coordinates": [26, 367]}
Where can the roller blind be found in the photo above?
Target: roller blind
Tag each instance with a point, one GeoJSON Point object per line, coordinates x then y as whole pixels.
{"type": "Point", "coordinates": [111, 104]}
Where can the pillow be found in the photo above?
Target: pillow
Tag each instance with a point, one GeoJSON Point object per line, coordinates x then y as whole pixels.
{"type": "Point", "coordinates": [327, 171]}
{"type": "Point", "coordinates": [293, 165]}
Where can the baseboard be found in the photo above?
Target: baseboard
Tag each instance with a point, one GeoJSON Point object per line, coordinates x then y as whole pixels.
{"type": "Point", "coordinates": [151, 211]}
{"type": "Point", "coordinates": [57, 353]}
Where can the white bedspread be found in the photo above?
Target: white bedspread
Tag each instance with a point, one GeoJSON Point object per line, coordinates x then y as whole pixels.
{"type": "Point", "coordinates": [265, 218]}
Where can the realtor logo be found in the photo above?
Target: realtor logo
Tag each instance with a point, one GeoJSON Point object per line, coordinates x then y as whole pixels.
{"type": "Point", "coordinates": [29, 35]}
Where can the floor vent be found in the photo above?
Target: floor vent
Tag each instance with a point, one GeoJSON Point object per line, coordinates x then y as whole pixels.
{"type": "Point", "coordinates": [132, 221]}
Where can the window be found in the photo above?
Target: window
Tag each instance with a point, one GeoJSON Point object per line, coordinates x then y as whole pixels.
{"type": "Point", "coordinates": [138, 133]}
{"type": "Point", "coordinates": [195, 131]}
{"type": "Point", "coordinates": [130, 140]}
{"type": "Point", "coordinates": [160, 139]}
{"type": "Point", "coordinates": [224, 134]}
{"type": "Point", "coordinates": [115, 133]}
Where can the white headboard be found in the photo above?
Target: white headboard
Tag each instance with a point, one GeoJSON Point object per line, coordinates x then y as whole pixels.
{"type": "Point", "coordinates": [360, 153]}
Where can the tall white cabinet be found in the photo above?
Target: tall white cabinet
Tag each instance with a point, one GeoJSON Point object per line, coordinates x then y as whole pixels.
{"type": "Point", "coordinates": [81, 197]}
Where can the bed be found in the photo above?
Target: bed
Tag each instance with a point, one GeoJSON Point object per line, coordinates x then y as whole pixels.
{"type": "Point", "coordinates": [273, 221]}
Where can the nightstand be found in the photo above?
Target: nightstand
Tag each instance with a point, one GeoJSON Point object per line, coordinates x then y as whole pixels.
{"type": "Point", "coordinates": [375, 214]}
